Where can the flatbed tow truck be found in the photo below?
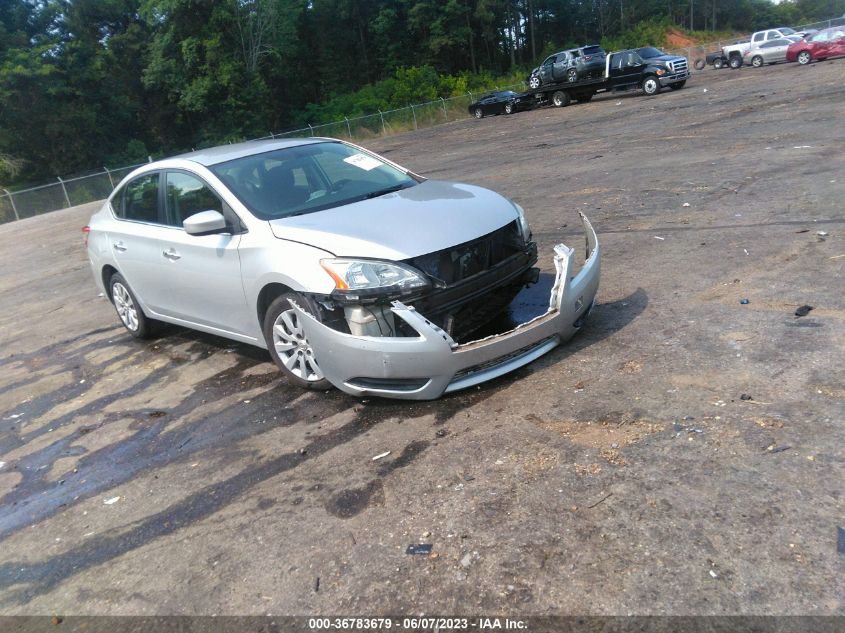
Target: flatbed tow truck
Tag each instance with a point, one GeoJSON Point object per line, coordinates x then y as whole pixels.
{"type": "Point", "coordinates": [647, 69]}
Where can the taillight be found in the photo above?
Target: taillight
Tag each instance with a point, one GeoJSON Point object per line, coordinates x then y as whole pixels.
{"type": "Point", "coordinates": [86, 230]}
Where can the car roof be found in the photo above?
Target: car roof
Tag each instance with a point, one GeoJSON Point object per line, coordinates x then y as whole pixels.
{"type": "Point", "coordinates": [224, 153]}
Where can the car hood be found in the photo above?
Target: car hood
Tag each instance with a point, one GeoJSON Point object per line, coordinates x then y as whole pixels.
{"type": "Point", "coordinates": [427, 217]}
{"type": "Point", "coordinates": [664, 58]}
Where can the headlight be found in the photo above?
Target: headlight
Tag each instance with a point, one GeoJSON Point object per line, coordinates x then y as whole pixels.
{"type": "Point", "coordinates": [524, 229]}
{"type": "Point", "coordinates": [660, 72]}
{"type": "Point", "coordinates": [355, 278]}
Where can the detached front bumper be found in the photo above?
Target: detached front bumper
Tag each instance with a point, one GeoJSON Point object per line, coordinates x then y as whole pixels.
{"type": "Point", "coordinates": [431, 364]}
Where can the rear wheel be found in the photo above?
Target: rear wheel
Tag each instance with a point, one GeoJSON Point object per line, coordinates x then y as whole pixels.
{"type": "Point", "coordinates": [756, 61]}
{"type": "Point", "coordinates": [560, 98]}
{"type": "Point", "coordinates": [651, 86]}
{"type": "Point", "coordinates": [584, 98]}
{"type": "Point", "coordinates": [287, 343]}
{"type": "Point", "coordinates": [534, 82]}
{"type": "Point", "coordinates": [478, 113]}
{"type": "Point", "coordinates": [718, 63]}
{"type": "Point", "coordinates": [678, 85]}
{"type": "Point", "coordinates": [735, 62]}
{"type": "Point", "coordinates": [571, 75]}
{"type": "Point", "coordinates": [804, 58]}
{"type": "Point", "coordinates": [128, 310]}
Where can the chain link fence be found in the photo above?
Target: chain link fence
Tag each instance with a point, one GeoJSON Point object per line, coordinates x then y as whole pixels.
{"type": "Point", "coordinates": [68, 192]}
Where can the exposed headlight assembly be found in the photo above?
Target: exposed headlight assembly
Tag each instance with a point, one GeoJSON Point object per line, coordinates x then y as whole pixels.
{"type": "Point", "coordinates": [360, 278]}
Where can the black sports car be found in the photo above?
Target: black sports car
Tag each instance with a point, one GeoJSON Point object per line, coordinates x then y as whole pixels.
{"type": "Point", "coordinates": [502, 102]}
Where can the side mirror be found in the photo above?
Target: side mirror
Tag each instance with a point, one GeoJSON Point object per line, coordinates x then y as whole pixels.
{"type": "Point", "coordinates": [205, 223]}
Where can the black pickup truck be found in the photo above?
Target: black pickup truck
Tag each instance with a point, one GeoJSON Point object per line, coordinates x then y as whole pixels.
{"type": "Point", "coordinates": [648, 69]}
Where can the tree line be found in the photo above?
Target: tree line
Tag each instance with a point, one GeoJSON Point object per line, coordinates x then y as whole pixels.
{"type": "Point", "coordinates": [92, 82]}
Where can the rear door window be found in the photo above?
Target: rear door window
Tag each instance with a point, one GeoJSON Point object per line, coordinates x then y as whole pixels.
{"type": "Point", "coordinates": [139, 200]}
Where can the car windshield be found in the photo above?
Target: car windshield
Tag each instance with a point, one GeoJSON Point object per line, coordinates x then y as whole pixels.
{"type": "Point", "coordinates": [308, 178]}
{"type": "Point", "coordinates": [649, 51]}
{"type": "Point", "coordinates": [506, 94]}
{"type": "Point", "coordinates": [593, 50]}
{"type": "Point", "coordinates": [787, 31]}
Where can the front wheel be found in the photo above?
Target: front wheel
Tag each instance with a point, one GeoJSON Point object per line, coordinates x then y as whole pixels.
{"type": "Point", "coordinates": [128, 310]}
{"type": "Point", "coordinates": [478, 114]}
{"type": "Point", "coordinates": [735, 62]}
{"type": "Point", "coordinates": [678, 85]}
{"type": "Point", "coordinates": [560, 98]}
{"type": "Point", "coordinates": [534, 82]}
{"type": "Point", "coordinates": [288, 344]}
{"type": "Point", "coordinates": [651, 86]}
{"type": "Point", "coordinates": [804, 58]}
{"type": "Point", "coordinates": [508, 108]}
{"type": "Point", "coordinates": [756, 61]}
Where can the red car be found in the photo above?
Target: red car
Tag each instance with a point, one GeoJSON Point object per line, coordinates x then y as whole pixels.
{"type": "Point", "coordinates": [826, 43]}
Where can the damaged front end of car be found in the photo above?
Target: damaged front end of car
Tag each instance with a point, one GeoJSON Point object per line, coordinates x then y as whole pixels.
{"type": "Point", "coordinates": [416, 359]}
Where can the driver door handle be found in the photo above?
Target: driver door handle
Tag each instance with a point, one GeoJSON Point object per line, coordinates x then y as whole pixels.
{"type": "Point", "coordinates": [119, 246]}
{"type": "Point", "coordinates": [171, 254]}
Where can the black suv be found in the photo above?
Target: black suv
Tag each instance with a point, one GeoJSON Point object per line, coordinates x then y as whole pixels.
{"type": "Point", "coordinates": [570, 65]}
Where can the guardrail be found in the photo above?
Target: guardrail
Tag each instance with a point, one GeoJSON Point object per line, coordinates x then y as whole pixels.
{"type": "Point", "coordinates": [68, 192]}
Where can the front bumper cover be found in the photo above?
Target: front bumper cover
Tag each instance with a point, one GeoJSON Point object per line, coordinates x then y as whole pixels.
{"type": "Point", "coordinates": [666, 80]}
{"type": "Point", "coordinates": [431, 364]}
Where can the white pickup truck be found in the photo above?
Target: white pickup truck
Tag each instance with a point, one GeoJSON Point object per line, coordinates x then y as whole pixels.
{"type": "Point", "coordinates": [732, 54]}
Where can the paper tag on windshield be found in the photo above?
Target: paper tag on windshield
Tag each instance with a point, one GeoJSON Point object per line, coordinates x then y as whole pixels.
{"type": "Point", "coordinates": [362, 161]}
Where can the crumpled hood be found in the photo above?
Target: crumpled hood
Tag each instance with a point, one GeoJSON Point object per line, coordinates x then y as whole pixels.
{"type": "Point", "coordinates": [427, 217]}
{"type": "Point", "coordinates": [665, 58]}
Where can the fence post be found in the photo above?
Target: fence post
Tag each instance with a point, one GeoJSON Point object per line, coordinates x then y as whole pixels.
{"type": "Point", "coordinates": [272, 136]}
{"type": "Point", "coordinates": [443, 101]}
{"type": "Point", "coordinates": [383, 129]}
{"type": "Point", "coordinates": [150, 158]}
{"type": "Point", "coordinates": [108, 173]}
{"type": "Point", "coordinates": [62, 182]}
{"type": "Point", "coordinates": [470, 96]}
{"type": "Point", "coordinates": [348, 127]}
{"type": "Point", "coordinates": [414, 113]}
{"type": "Point", "coordinates": [12, 200]}
{"type": "Point", "coordinates": [312, 129]}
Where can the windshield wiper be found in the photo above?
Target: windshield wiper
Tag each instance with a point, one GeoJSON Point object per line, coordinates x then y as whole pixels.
{"type": "Point", "coordinates": [385, 191]}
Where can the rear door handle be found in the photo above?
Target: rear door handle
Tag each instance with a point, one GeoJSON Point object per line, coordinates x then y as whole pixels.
{"type": "Point", "coordinates": [119, 246]}
{"type": "Point", "coordinates": [171, 254]}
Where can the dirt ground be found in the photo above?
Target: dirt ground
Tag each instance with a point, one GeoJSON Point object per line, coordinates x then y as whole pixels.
{"type": "Point", "coordinates": [621, 474]}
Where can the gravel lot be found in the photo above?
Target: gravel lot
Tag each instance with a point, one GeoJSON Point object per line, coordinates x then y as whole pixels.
{"type": "Point", "coordinates": [621, 474]}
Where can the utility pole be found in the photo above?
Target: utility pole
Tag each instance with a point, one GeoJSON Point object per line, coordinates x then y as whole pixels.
{"type": "Point", "coordinates": [690, 16]}
{"type": "Point", "coordinates": [531, 25]}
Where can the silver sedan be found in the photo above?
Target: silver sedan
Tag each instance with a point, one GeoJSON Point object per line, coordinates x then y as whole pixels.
{"type": "Point", "coordinates": [769, 52]}
{"type": "Point", "coordinates": [350, 270]}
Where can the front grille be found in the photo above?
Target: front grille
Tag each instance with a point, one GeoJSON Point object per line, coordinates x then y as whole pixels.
{"type": "Point", "coordinates": [460, 262]}
{"type": "Point", "coordinates": [679, 66]}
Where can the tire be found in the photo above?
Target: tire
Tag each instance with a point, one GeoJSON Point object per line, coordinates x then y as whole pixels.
{"type": "Point", "coordinates": [478, 113]}
{"type": "Point", "coordinates": [678, 85]}
{"type": "Point", "coordinates": [560, 98]}
{"type": "Point", "coordinates": [128, 310]}
{"type": "Point", "coordinates": [571, 75]}
{"type": "Point", "coordinates": [508, 108]}
{"type": "Point", "coordinates": [651, 86]}
{"type": "Point", "coordinates": [287, 344]}
{"type": "Point", "coordinates": [699, 64]}
{"type": "Point", "coordinates": [584, 98]}
{"type": "Point", "coordinates": [534, 82]}
{"type": "Point", "coordinates": [757, 61]}
{"type": "Point", "coordinates": [718, 63]}
{"type": "Point", "coordinates": [805, 57]}
{"type": "Point", "coordinates": [735, 62]}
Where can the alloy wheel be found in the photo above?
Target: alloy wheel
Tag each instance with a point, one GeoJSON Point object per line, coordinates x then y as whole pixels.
{"type": "Point", "coordinates": [125, 306]}
{"type": "Point", "coordinates": [293, 347]}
